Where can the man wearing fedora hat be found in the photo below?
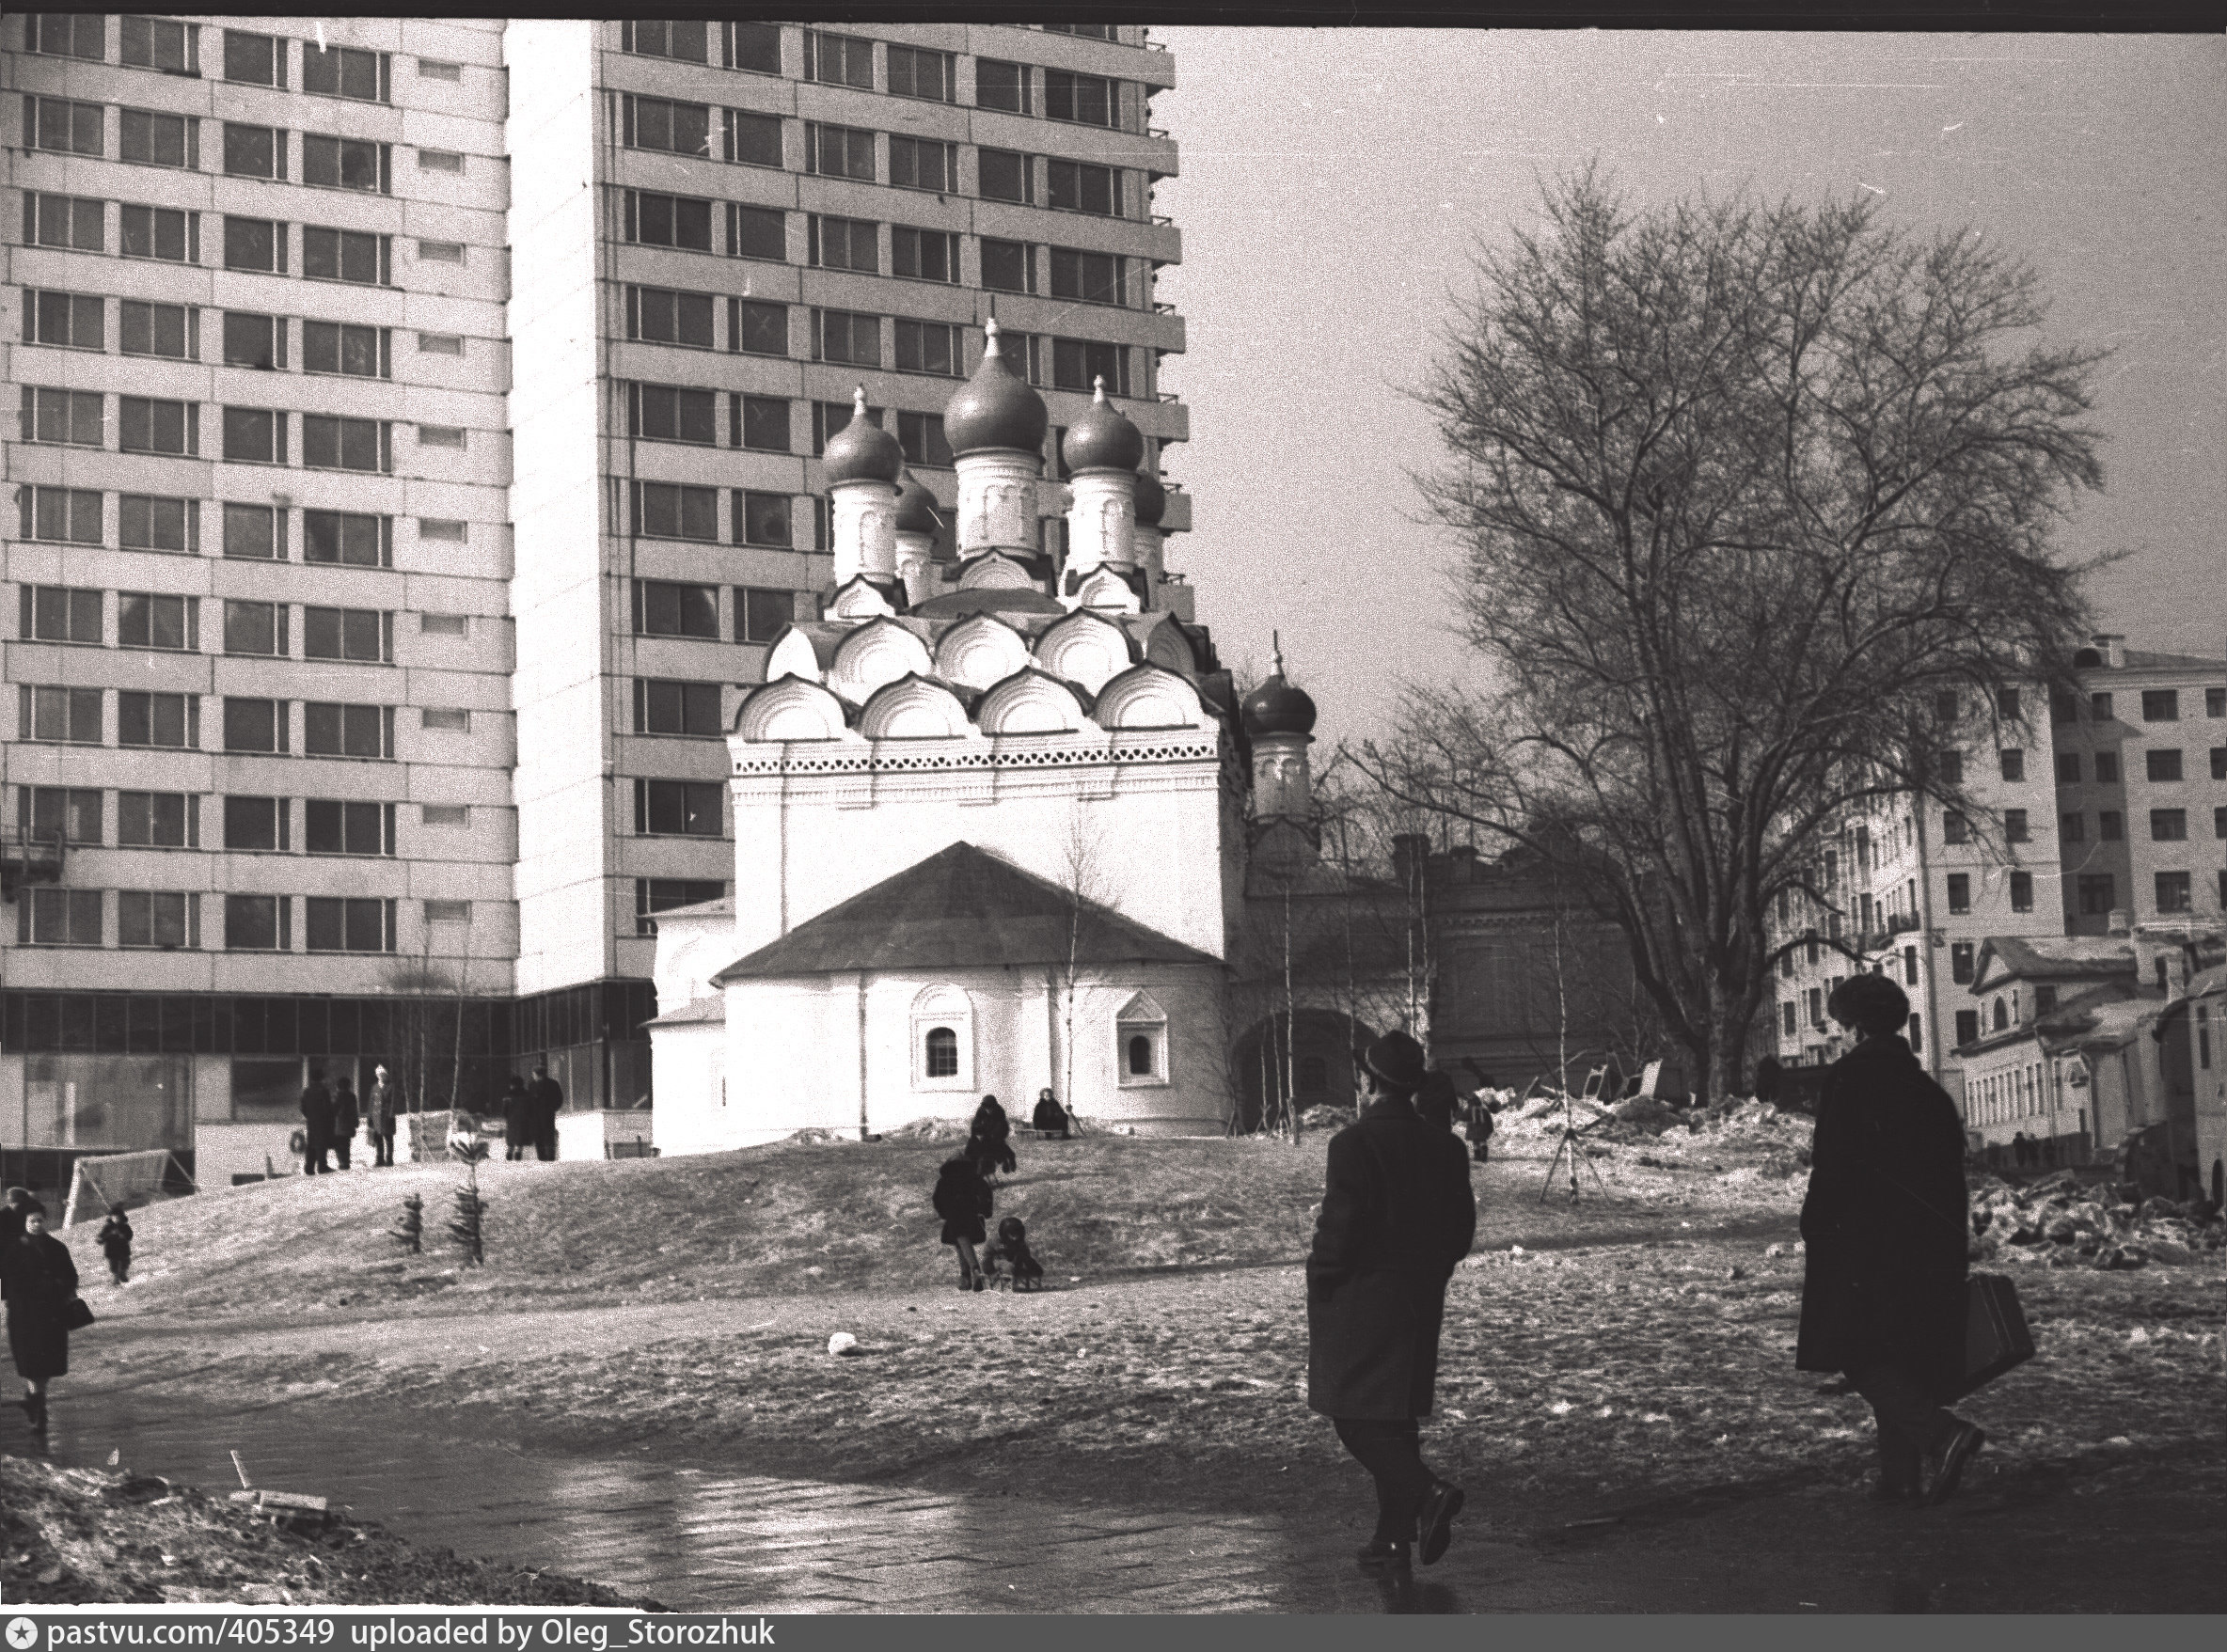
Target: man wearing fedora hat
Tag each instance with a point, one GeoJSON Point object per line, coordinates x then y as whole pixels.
{"type": "Point", "coordinates": [1396, 1215]}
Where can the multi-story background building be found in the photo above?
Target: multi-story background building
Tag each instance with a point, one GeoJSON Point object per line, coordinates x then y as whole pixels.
{"type": "Point", "coordinates": [395, 523]}
{"type": "Point", "coordinates": [2102, 813]}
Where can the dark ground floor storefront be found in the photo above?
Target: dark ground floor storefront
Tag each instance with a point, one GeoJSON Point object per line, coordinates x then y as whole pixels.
{"type": "Point", "coordinates": [86, 1074]}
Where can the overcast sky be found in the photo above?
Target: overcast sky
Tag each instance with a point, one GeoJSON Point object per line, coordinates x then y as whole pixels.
{"type": "Point", "coordinates": [1334, 182]}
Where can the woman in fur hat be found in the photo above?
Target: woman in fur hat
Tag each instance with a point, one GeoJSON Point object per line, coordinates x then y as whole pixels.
{"type": "Point", "coordinates": [963, 1201]}
{"type": "Point", "coordinates": [40, 1282]}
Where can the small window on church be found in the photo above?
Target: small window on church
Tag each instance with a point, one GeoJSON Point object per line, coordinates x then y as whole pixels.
{"type": "Point", "coordinates": [943, 1053]}
{"type": "Point", "coordinates": [1142, 1042]}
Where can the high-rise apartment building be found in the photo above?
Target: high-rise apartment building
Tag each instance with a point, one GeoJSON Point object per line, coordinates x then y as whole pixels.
{"type": "Point", "coordinates": [417, 442]}
{"type": "Point", "coordinates": [2096, 810]}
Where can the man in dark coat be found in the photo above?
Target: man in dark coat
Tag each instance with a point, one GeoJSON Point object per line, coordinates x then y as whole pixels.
{"type": "Point", "coordinates": [548, 1101]}
{"type": "Point", "coordinates": [1396, 1215]}
{"type": "Point", "coordinates": [317, 1124]}
{"type": "Point", "coordinates": [1885, 1231]}
{"type": "Point", "coordinates": [347, 1119]}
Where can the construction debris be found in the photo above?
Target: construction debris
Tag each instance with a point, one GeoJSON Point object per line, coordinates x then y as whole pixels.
{"type": "Point", "coordinates": [2059, 1221]}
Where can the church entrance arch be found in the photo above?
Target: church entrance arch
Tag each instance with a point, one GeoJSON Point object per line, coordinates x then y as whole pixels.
{"type": "Point", "coordinates": [1321, 1071]}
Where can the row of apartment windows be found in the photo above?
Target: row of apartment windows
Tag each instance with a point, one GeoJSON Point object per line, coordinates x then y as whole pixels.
{"type": "Point", "coordinates": [2161, 765]}
{"type": "Point", "coordinates": [651, 218]}
{"type": "Point", "coordinates": [261, 246]}
{"type": "Point", "coordinates": [2159, 705]}
{"type": "Point", "coordinates": [665, 607]}
{"type": "Point", "coordinates": [248, 436]}
{"type": "Point", "coordinates": [1790, 1014]}
{"type": "Point", "coordinates": [75, 717]}
{"type": "Point", "coordinates": [250, 339]}
{"type": "Point", "coordinates": [907, 71]}
{"type": "Point", "coordinates": [248, 58]}
{"type": "Point", "coordinates": [171, 919]}
{"type": "Point", "coordinates": [155, 620]}
{"type": "Point", "coordinates": [765, 424]}
{"type": "Point", "coordinates": [2167, 825]}
{"type": "Point", "coordinates": [172, 819]}
{"type": "Point", "coordinates": [148, 138]}
{"type": "Point", "coordinates": [146, 522]}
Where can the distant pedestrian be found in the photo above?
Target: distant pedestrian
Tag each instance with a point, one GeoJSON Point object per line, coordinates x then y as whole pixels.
{"type": "Point", "coordinates": [380, 1104]}
{"type": "Point", "coordinates": [962, 1199]}
{"type": "Point", "coordinates": [1884, 1229]}
{"type": "Point", "coordinates": [40, 1281]}
{"type": "Point", "coordinates": [518, 1119]}
{"type": "Point", "coordinates": [1477, 1113]}
{"type": "Point", "coordinates": [1767, 1074]}
{"type": "Point", "coordinates": [1396, 1213]}
{"type": "Point", "coordinates": [347, 1120]}
{"type": "Point", "coordinates": [1049, 1119]}
{"type": "Point", "coordinates": [115, 1240]}
{"type": "Point", "coordinates": [1436, 1100]}
{"type": "Point", "coordinates": [989, 1138]}
{"type": "Point", "coordinates": [317, 1124]}
{"type": "Point", "coordinates": [2019, 1157]}
{"type": "Point", "coordinates": [548, 1101]}
{"type": "Point", "coordinates": [12, 1205]}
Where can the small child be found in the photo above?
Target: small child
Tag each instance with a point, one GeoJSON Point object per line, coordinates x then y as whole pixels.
{"type": "Point", "coordinates": [116, 1244]}
{"type": "Point", "coordinates": [1008, 1257]}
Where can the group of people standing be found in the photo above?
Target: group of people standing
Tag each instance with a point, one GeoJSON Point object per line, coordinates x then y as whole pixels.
{"type": "Point", "coordinates": [332, 1114]}
{"type": "Point", "coordinates": [530, 1114]}
{"type": "Point", "coordinates": [1884, 1227]}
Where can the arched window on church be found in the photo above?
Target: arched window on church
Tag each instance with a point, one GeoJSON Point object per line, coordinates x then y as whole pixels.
{"type": "Point", "coordinates": [943, 1053]}
{"type": "Point", "coordinates": [1141, 1038]}
{"type": "Point", "coordinates": [2002, 1016]}
{"type": "Point", "coordinates": [942, 1039]}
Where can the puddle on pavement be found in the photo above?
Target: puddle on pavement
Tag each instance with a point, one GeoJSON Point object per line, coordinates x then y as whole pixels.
{"type": "Point", "coordinates": [704, 1540]}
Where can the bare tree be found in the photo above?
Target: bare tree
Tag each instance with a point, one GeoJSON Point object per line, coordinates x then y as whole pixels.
{"type": "Point", "coordinates": [1083, 879]}
{"type": "Point", "coordinates": [1755, 503]}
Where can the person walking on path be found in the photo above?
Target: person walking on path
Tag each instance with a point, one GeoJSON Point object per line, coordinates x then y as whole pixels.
{"type": "Point", "coordinates": [990, 1140]}
{"type": "Point", "coordinates": [963, 1201]}
{"type": "Point", "coordinates": [518, 1119]}
{"type": "Point", "coordinates": [380, 1105]}
{"type": "Point", "coordinates": [1049, 1119]}
{"type": "Point", "coordinates": [115, 1240]}
{"type": "Point", "coordinates": [347, 1120]}
{"type": "Point", "coordinates": [1885, 1230]}
{"type": "Point", "coordinates": [40, 1281]}
{"type": "Point", "coordinates": [1397, 1214]}
{"type": "Point", "coordinates": [317, 1124]}
{"type": "Point", "coordinates": [548, 1101]}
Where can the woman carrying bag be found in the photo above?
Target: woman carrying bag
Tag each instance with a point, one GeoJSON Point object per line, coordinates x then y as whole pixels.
{"type": "Point", "coordinates": [40, 1282]}
{"type": "Point", "coordinates": [1886, 1237]}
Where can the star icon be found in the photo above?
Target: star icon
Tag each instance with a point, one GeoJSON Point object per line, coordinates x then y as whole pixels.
{"type": "Point", "coordinates": [21, 1633]}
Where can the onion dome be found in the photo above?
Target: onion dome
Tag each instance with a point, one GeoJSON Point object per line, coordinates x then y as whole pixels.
{"type": "Point", "coordinates": [1277, 708]}
{"type": "Point", "coordinates": [1152, 500]}
{"type": "Point", "coordinates": [861, 451]}
{"type": "Point", "coordinates": [995, 409]}
{"type": "Point", "coordinates": [917, 512]}
{"type": "Point", "coordinates": [1103, 438]}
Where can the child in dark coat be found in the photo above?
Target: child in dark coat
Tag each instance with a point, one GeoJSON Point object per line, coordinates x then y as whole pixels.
{"type": "Point", "coordinates": [116, 1244]}
{"type": "Point", "coordinates": [988, 1142]}
{"type": "Point", "coordinates": [963, 1201]}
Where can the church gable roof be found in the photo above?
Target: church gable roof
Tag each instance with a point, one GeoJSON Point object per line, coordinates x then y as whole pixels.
{"type": "Point", "coordinates": [961, 908]}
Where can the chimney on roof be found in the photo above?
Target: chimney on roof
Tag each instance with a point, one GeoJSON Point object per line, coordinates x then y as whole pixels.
{"type": "Point", "coordinates": [2122, 920]}
{"type": "Point", "coordinates": [2112, 646]}
{"type": "Point", "coordinates": [1464, 859]}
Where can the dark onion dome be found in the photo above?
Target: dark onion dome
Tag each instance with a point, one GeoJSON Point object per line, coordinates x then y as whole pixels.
{"type": "Point", "coordinates": [1277, 708]}
{"type": "Point", "coordinates": [861, 451]}
{"type": "Point", "coordinates": [994, 409]}
{"type": "Point", "coordinates": [1152, 500]}
{"type": "Point", "coordinates": [917, 510]}
{"type": "Point", "coordinates": [1103, 438]}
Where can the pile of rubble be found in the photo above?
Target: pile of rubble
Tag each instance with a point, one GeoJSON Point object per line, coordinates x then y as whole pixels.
{"type": "Point", "coordinates": [2058, 1222]}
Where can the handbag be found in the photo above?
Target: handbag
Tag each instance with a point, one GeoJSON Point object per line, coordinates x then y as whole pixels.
{"type": "Point", "coordinates": [76, 1317]}
{"type": "Point", "coordinates": [1995, 1337]}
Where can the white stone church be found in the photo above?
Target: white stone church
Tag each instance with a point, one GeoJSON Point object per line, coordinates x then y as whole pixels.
{"type": "Point", "coordinates": [992, 815]}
